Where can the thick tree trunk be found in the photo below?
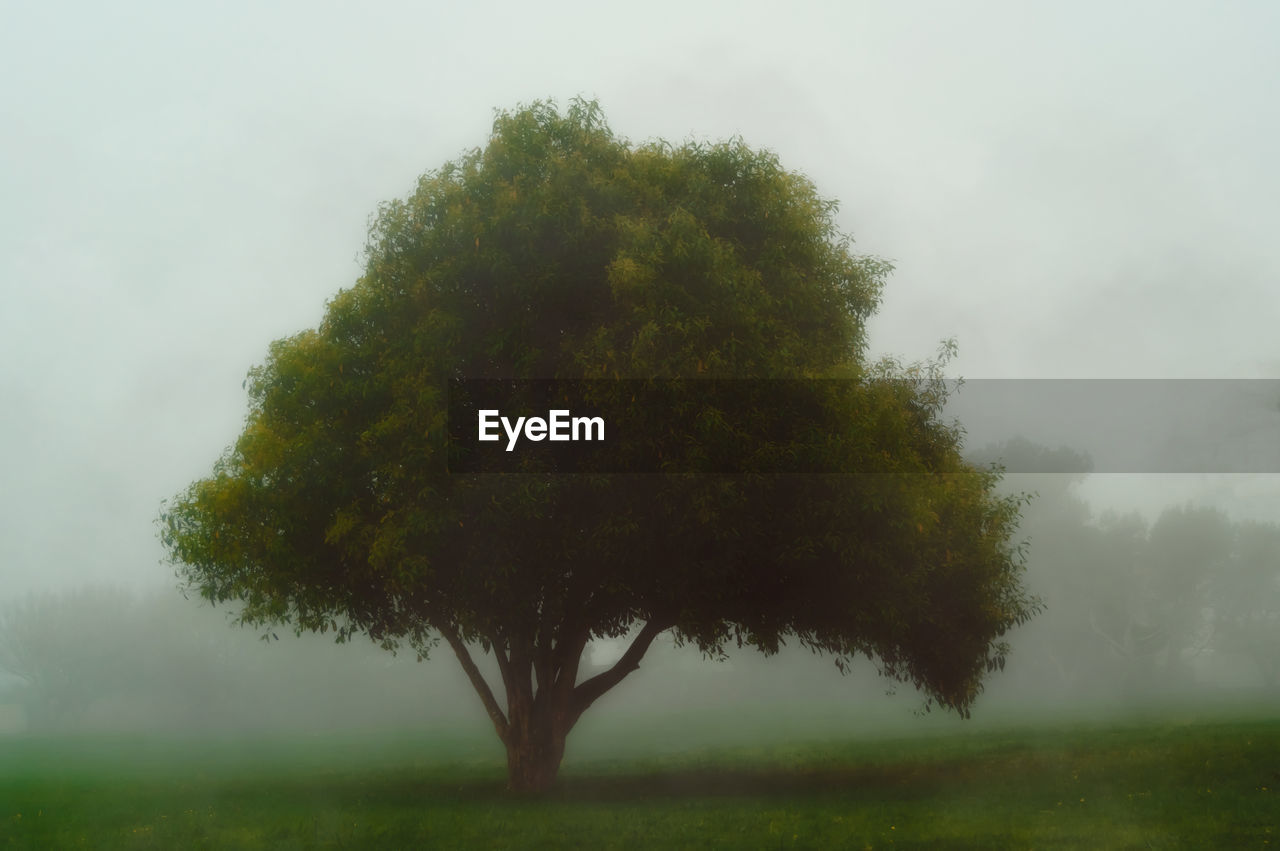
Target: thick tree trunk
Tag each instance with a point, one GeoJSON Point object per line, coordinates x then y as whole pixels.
{"type": "Point", "coordinates": [533, 760]}
{"type": "Point", "coordinates": [537, 721]}
{"type": "Point", "coordinates": [536, 731]}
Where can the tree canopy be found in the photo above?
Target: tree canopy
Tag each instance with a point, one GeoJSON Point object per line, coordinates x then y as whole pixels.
{"type": "Point", "coordinates": [561, 251]}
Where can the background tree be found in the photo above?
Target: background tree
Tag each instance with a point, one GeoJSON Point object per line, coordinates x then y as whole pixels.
{"type": "Point", "coordinates": [1058, 654]}
{"type": "Point", "coordinates": [562, 251]}
{"type": "Point", "coordinates": [46, 645]}
{"type": "Point", "coordinates": [1246, 601]}
{"type": "Point", "coordinates": [1188, 550]}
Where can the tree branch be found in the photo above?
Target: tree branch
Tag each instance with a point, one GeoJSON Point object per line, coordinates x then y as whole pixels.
{"type": "Point", "coordinates": [478, 681]}
{"type": "Point", "coordinates": [1101, 633]}
{"type": "Point", "coordinates": [542, 669]}
{"type": "Point", "coordinates": [521, 660]}
{"type": "Point", "coordinates": [568, 659]}
{"type": "Point", "coordinates": [590, 690]}
{"type": "Point", "coordinates": [500, 655]}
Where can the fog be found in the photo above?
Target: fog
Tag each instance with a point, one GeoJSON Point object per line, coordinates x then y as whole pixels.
{"type": "Point", "coordinates": [1180, 612]}
{"type": "Point", "coordinates": [1080, 192]}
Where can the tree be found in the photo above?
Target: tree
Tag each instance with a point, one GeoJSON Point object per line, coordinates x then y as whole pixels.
{"type": "Point", "coordinates": [66, 650]}
{"type": "Point", "coordinates": [561, 251]}
{"type": "Point", "coordinates": [1134, 598]}
{"type": "Point", "coordinates": [1058, 655]}
{"type": "Point", "coordinates": [1246, 600]}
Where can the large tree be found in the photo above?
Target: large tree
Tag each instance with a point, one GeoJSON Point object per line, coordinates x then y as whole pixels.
{"type": "Point", "coordinates": [561, 251]}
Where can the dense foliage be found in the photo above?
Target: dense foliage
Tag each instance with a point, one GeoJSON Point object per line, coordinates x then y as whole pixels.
{"type": "Point", "coordinates": [561, 251]}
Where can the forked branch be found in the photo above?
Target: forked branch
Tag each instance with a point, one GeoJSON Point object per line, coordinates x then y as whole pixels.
{"type": "Point", "coordinates": [589, 691]}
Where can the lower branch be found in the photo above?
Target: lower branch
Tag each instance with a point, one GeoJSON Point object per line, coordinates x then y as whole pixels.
{"type": "Point", "coordinates": [477, 680]}
{"type": "Point", "coordinates": [590, 690]}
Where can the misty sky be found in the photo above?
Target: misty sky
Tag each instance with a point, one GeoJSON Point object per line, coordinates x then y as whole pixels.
{"type": "Point", "coordinates": [1080, 190]}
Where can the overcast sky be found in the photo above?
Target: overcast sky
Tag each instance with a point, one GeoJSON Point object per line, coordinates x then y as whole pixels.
{"type": "Point", "coordinates": [1070, 190]}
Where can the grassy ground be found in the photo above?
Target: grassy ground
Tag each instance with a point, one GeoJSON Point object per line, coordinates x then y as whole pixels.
{"type": "Point", "coordinates": [1159, 785]}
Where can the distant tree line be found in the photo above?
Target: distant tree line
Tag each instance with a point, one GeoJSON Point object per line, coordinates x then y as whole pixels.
{"type": "Point", "coordinates": [1134, 608]}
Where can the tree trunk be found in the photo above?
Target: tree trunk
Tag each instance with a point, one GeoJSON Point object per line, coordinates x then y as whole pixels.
{"type": "Point", "coordinates": [534, 727]}
{"type": "Point", "coordinates": [533, 761]}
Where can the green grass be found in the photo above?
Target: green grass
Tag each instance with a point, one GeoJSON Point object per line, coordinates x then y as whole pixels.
{"type": "Point", "coordinates": [1158, 785]}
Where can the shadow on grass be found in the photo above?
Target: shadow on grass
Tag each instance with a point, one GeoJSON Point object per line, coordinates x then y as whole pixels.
{"type": "Point", "coordinates": [873, 782]}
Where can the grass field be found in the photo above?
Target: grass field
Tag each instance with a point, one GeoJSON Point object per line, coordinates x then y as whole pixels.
{"type": "Point", "coordinates": [1203, 784]}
